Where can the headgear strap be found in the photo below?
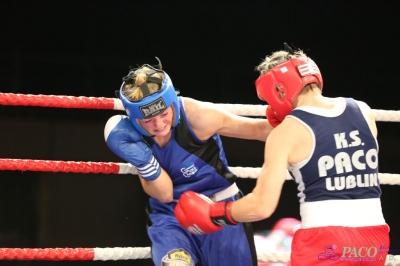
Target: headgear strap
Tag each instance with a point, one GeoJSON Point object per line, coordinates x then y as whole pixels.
{"type": "Point", "coordinates": [132, 75]}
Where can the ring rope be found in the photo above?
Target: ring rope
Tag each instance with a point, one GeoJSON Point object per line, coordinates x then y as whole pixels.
{"type": "Point", "coordinates": [61, 101]}
{"type": "Point", "coordinates": [82, 102]}
{"type": "Point", "coordinates": [74, 253]}
{"type": "Point", "coordinates": [117, 253]}
{"type": "Point", "coordinates": [127, 168]}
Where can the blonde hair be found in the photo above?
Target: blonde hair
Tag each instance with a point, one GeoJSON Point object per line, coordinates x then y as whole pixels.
{"type": "Point", "coordinates": [276, 58]}
{"type": "Point", "coordinates": [281, 56]}
{"type": "Point", "coordinates": [132, 89]}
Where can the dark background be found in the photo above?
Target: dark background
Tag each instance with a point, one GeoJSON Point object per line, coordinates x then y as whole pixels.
{"type": "Point", "coordinates": [209, 49]}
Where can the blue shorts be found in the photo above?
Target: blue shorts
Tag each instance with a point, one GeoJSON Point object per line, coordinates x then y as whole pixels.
{"type": "Point", "coordinates": [171, 243]}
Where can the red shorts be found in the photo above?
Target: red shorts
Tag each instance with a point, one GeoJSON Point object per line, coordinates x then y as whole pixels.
{"type": "Point", "coordinates": [338, 245]}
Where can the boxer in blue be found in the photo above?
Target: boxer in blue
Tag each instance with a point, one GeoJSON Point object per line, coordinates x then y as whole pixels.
{"type": "Point", "coordinates": [175, 144]}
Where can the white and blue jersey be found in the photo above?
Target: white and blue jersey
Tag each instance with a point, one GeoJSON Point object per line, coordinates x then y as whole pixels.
{"type": "Point", "coordinates": [340, 177]}
{"type": "Point", "coordinates": [199, 166]}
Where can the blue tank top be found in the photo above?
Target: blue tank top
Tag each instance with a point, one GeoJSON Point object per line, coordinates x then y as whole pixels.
{"type": "Point", "coordinates": [191, 163]}
{"type": "Point", "coordinates": [344, 162]}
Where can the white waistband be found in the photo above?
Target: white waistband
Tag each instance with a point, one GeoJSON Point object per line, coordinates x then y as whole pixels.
{"type": "Point", "coordinates": [228, 192]}
{"type": "Point", "coordinates": [352, 212]}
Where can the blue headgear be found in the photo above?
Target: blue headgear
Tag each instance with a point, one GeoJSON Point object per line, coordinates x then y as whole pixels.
{"type": "Point", "coordinates": [150, 105]}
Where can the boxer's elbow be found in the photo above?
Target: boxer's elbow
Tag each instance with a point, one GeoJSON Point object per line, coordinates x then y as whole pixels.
{"type": "Point", "coordinates": [166, 197]}
{"type": "Point", "coordinates": [263, 208]}
{"type": "Point", "coordinates": [163, 195]}
{"type": "Point", "coordinates": [261, 212]}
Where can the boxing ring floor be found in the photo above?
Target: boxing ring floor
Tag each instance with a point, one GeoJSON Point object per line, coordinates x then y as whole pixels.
{"type": "Point", "coordinates": [91, 170]}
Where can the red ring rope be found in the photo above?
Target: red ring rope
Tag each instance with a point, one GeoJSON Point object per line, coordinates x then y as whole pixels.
{"type": "Point", "coordinates": [56, 101]}
{"type": "Point", "coordinates": [47, 254]}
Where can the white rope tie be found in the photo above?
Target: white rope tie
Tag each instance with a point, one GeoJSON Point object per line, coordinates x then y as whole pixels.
{"type": "Point", "coordinates": [386, 115]}
{"type": "Point", "coordinates": [121, 253]}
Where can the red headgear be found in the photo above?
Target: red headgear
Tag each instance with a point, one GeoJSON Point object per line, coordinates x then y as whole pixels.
{"type": "Point", "coordinates": [280, 85]}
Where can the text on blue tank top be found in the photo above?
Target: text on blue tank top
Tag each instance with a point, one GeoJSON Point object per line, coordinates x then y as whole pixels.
{"type": "Point", "coordinates": [344, 164]}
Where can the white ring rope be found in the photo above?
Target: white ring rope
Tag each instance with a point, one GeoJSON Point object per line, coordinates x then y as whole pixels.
{"type": "Point", "coordinates": [386, 116]}
{"type": "Point", "coordinates": [260, 110]}
{"type": "Point", "coordinates": [254, 172]}
{"type": "Point", "coordinates": [249, 172]}
{"type": "Point", "coordinates": [143, 253]}
{"type": "Point", "coordinates": [122, 253]}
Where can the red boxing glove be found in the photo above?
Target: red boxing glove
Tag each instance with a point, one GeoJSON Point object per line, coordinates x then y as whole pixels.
{"type": "Point", "coordinates": [200, 215]}
{"type": "Point", "coordinates": [272, 117]}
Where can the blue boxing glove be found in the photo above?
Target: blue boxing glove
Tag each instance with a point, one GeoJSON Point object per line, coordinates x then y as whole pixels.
{"type": "Point", "coordinates": [128, 143]}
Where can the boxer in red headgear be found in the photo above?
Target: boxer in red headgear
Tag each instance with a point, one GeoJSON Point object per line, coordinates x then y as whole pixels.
{"type": "Point", "coordinates": [285, 75]}
{"type": "Point", "coordinates": [330, 148]}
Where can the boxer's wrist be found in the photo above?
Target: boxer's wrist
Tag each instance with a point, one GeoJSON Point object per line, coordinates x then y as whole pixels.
{"type": "Point", "coordinates": [220, 214]}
